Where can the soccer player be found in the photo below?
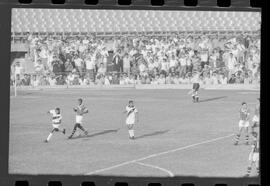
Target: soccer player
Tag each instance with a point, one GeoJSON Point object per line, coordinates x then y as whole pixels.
{"type": "Point", "coordinates": [80, 111]}
{"type": "Point", "coordinates": [243, 123]}
{"type": "Point", "coordinates": [56, 121]}
{"type": "Point", "coordinates": [256, 117]}
{"type": "Point", "coordinates": [132, 116]}
{"type": "Point", "coordinates": [254, 155]}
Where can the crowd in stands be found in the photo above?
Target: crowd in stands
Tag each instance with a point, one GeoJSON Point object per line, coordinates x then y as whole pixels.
{"type": "Point", "coordinates": [123, 60]}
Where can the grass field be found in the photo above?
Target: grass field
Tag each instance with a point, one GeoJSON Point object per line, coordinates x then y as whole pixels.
{"type": "Point", "coordinates": [174, 137]}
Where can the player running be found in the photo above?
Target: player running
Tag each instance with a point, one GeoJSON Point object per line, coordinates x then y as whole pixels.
{"type": "Point", "coordinates": [56, 121]}
{"type": "Point", "coordinates": [254, 155]}
{"type": "Point", "coordinates": [243, 123]}
{"type": "Point", "coordinates": [256, 117]}
{"type": "Point", "coordinates": [80, 111]}
{"type": "Point", "coordinates": [132, 116]}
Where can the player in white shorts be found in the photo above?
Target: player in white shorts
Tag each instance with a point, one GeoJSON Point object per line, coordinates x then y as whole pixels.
{"type": "Point", "coordinates": [256, 117]}
{"type": "Point", "coordinates": [80, 111]}
{"type": "Point", "coordinates": [56, 122]}
{"type": "Point", "coordinates": [254, 155]}
{"type": "Point", "coordinates": [243, 123]}
{"type": "Point", "coordinates": [132, 118]}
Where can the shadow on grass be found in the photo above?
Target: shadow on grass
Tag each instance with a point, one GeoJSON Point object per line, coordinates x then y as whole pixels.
{"type": "Point", "coordinates": [95, 134]}
{"type": "Point", "coordinates": [153, 134]}
{"type": "Point", "coordinates": [212, 99]}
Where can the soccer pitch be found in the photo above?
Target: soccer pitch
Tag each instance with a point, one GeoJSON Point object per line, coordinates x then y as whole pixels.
{"type": "Point", "coordinates": [174, 137]}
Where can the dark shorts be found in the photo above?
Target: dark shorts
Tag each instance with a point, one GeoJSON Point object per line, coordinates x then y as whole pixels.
{"type": "Point", "coordinates": [196, 86]}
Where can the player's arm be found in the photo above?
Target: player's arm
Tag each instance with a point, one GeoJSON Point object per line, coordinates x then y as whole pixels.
{"type": "Point", "coordinates": [50, 112]}
{"type": "Point", "coordinates": [85, 111]}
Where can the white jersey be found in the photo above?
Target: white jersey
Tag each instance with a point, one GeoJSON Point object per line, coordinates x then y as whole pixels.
{"type": "Point", "coordinates": [131, 112]}
{"type": "Point", "coordinates": [56, 118]}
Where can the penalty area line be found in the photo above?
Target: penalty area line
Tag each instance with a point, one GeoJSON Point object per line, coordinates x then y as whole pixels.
{"type": "Point", "coordinates": [158, 154]}
{"type": "Point", "coordinates": [156, 167]}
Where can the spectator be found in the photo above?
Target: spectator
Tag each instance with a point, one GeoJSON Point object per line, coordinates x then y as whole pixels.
{"type": "Point", "coordinates": [101, 70]}
{"type": "Point", "coordinates": [68, 66]}
{"type": "Point", "coordinates": [78, 64]}
{"type": "Point", "coordinates": [90, 67]}
{"type": "Point", "coordinates": [34, 81]}
{"type": "Point", "coordinates": [148, 56]}
{"type": "Point", "coordinates": [26, 80]}
{"type": "Point", "coordinates": [232, 79]}
{"type": "Point", "coordinates": [126, 63]}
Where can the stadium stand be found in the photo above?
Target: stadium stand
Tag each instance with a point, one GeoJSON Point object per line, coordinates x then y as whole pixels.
{"type": "Point", "coordinates": [144, 47]}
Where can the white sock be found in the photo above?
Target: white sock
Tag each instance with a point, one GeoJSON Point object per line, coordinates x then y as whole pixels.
{"type": "Point", "coordinates": [49, 137]}
{"type": "Point", "coordinates": [132, 133]}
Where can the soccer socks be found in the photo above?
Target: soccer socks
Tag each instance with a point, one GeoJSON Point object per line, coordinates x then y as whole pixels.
{"type": "Point", "coordinates": [74, 130]}
{"type": "Point", "coordinates": [248, 171]}
{"type": "Point", "coordinates": [49, 137]}
{"type": "Point", "coordinates": [81, 127]}
{"type": "Point", "coordinates": [237, 139]}
{"type": "Point", "coordinates": [197, 98]}
{"type": "Point", "coordinates": [247, 137]}
{"type": "Point", "coordinates": [131, 133]}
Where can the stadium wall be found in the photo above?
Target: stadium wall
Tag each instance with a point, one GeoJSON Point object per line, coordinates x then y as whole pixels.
{"type": "Point", "coordinates": [255, 87]}
{"type": "Point", "coordinates": [214, 87]}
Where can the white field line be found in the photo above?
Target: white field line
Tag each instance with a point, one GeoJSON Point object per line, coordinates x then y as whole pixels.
{"type": "Point", "coordinates": [156, 167]}
{"type": "Point", "coordinates": [158, 154]}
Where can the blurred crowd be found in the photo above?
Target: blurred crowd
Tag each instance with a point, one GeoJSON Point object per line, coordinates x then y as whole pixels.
{"type": "Point", "coordinates": [123, 60]}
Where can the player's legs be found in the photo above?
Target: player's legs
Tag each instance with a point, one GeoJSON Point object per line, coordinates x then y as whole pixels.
{"type": "Point", "coordinates": [257, 166]}
{"type": "Point", "coordinates": [193, 95]}
{"type": "Point", "coordinates": [251, 163]}
{"type": "Point", "coordinates": [197, 96]}
{"type": "Point", "coordinates": [50, 135]}
{"type": "Point", "coordinates": [249, 168]}
{"type": "Point", "coordinates": [62, 130]}
{"type": "Point", "coordinates": [247, 135]}
{"type": "Point", "coordinates": [81, 127]}
{"type": "Point", "coordinates": [74, 130]}
{"type": "Point", "coordinates": [237, 137]}
{"type": "Point", "coordinates": [131, 131]}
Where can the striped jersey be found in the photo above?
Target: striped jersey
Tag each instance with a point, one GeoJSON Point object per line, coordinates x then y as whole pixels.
{"type": "Point", "coordinates": [80, 110]}
{"type": "Point", "coordinates": [56, 118]}
{"type": "Point", "coordinates": [131, 114]}
{"type": "Point", "coordinates": [244, 113]}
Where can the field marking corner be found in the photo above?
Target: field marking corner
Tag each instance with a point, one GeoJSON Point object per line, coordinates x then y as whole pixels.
{"type": "Point", "coordinates": [158, 154]}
